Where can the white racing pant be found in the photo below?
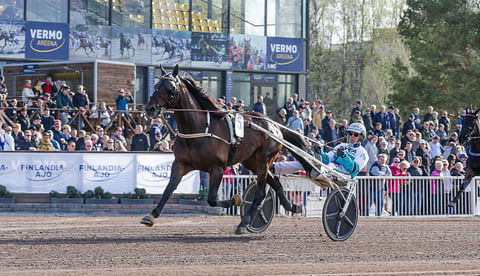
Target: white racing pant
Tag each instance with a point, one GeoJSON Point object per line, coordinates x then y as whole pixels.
{"type": "Point", "coordinates": [282, 168]}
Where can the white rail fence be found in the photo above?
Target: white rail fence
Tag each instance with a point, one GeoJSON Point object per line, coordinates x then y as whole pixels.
{"type": "Point", "coordinates": [376, 196]}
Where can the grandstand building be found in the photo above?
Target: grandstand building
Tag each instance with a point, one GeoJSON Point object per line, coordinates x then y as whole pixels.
{"type": "Point", "coordinates": [241, 48]}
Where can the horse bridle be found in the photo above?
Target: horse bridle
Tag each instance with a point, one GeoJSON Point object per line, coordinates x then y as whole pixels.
{"type": "Point", "coordinates": [469, 130]}
{"type": "Point", "coordinates": [172, 93]}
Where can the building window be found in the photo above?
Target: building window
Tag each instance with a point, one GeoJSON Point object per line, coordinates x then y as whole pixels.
{"type": "Point", "coordinates": [212, 82]}
{"type": "Point", "coordinates": [11, 9]}
{"type": "Point", "coordinates": [131, 13]}
{"type": "Point", "coordinates": [247, 17]}
{"type": "Point", "coordinates": [167, 15]}
{"type": "Point", "coordinates": [208, 15]}
{"type": "Point", "coordinates": [141, 85]}
{"type": "Point", "coordinates": [241, 87]}
{"type": "Point", "coordinates": [286, 87]}
{"type": "Point", "coordinates": [284, 18]}
{"type": "Point", "coordinates": [47, 10]}
{"type": "Point", "coordinates": [89, 12]}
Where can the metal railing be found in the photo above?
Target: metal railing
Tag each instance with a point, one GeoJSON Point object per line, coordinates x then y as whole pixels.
{"type": "Point", "coordinates": [376, 196]}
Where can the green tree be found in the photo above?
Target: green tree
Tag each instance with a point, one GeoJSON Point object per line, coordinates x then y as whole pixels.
{"type": "Point", "coordinates": [443, 37]}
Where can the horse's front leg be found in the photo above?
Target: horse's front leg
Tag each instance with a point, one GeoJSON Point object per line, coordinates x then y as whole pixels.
{"type": "Point", "coordinates": [178, 171]}
{"type": "Point", "coordinates": [216, 176]}
{"type": "Point", "coordinates": [468, 177]}
{"type": "Point", "coordinates": [259, 196]}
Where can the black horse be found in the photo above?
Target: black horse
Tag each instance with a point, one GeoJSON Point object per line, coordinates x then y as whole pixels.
{"type": "Point", "coordinates": [212, 153]}
{"type": "Point", "coordinates": [141, 42]}
{"type": "Point", "coordinates": [470, 138]}
{"type": "Point", "coordinates": [86, 44]}
{"type": "Point", "coordinates": [126, 43]}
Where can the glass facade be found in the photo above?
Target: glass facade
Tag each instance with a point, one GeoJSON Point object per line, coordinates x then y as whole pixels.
{"type": "Point", "coordinates": [89, 12]}
{"type": "Point", "coordinates": [47, 10]}
{"type": "Point", "coordinates": [11, 9]}
{"type": "Point", "coordinates": [170, 15]}
{"type": "Point", "coordinates": [131, 13]}
{"type": "Point", "coordinates": [284, 18]}
{"type": "Point", "coordinates": [286, 87]}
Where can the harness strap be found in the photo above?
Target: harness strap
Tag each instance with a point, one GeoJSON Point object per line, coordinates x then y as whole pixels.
{"type": "Point", "coordinates": [205, 134]}
{"type": "Point", "coordinates": [470, 153]}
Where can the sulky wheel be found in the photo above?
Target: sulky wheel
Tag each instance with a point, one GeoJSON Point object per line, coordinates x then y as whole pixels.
{"type": "Point", "coordinates": [262, 218]}
{"type": "Point", "coordinates": [339, 226]}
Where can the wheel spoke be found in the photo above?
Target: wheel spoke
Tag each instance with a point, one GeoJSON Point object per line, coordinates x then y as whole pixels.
{"type": "Point", "coordinates": [338, 227]}
{"type": "Point", "coordinates": [269, 197]}
{"type": "Point", "coordinates": [262, 215]}
{"type": "Point", "coordinates": [349, 222]}
{"type": "Point", "coordinates": [332, 215]}
{"type": "Point", "coordinates": [247, 202]}
{"type": "Point", "coordinates": [337, 202]}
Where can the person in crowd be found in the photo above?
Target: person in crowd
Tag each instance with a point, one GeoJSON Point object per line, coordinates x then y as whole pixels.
{"type": "Point", "coordinates": [416, 142]}
{"type": "Point", "coordinates": [45, 144]}
{"type": "Point", "coordinates": [289, 107]}
{"type": "Point", "coordinates": [56, 145]}
{"type": "Point", "coordinates": [381, 117]}
{"type": "Point", "coordinates": [428, 116]}
{"type": "Point", "coordinates": [49, 87]}
{"type": "Point", "coordinates": [57, 131]}
{"type": "Point", "coordinates": [64, 103]}
{"type": "Point", "coordinates": [3, 86]}
{"type": "Point", "coordinates": [434, 119]}
{"type": "Point", "coordinates": [424, 154]}
{"type": "Point", "coordinates": [318, 117]}
{"type": "Point", "coordinates": [17, 133]}
{"type": "Point", "coordinates": [394, 152]}
{"type": "Point", "coordinates": [445, 121]}
{"type": "Point", "coordinates": [81, 139]}
{"type": "Point", "coordinates": [393, 186]}
{"type": "Point", "coordinates": [409, 153]}
{"type": "Point", "coordinates": [26, 144]}
{"type": "Point", "coordinates": [259, 106]}
{"type": "Point", "coordinates": [280, 116]}
{"type": "Point", "coordinates": [425, 130]}
{"type": "Point", "coordinates": [67, 132]}
{"type": "Point", "coordinates": [314, 134]}
{"type": "Point", "coordinates": [8, 140]}
{"type": "Point", "coordinates": [417, 187]}
{"type": "Point", "coordinates": [401, 155]}
{"type": "Point", "coordinates": [383, 149]}
{"type": "Point", "coordinates": [140, 140]}
{"type": "Point", "coordinates": [96, 145]}
{"type": "Point", "coordinates": [37, 88]}
{"type": "Point", "coordinates": [391, 144]}
{"type": "Point", "coordinates": [118, 136]}
{"type": "Point", "coordinates": [73, 136]}
{"type": "Point", "coordinates": [119, 146]}
{"type": "Point", "coordinates": [390, 119]}
{"type": "Point", "coordinates": [47, 101]}
{"type": "Point", "coordinates": [368, 120]}
{"type": "Point", "coordinates": [435, 190]}
{"type": "Point", "coordinates": [71, 146]}
{"type": "Point", "coordinates": [330, 136]}
{"type": "Point", "coordinates": [357, 117]}
{"type": "Point", "coordinates": [359, 108]}
{"type": "Point", "coordinates": [326, 120]}
{"type": "Point", "coordinates": [123, 99]}
{"type": "Point", "coordinates": [80, 104]}
{"type": "Point", "coordinates": [37, 123]}
{"type": "Point", "coordinates": [457, 170]}
{"type": "Point", "coordinates": [377, 188]}
{"type": "Point", "coordinates": [409, 124]}
{"type": "Point", "coordinates": [47, 119]}
{"type": "Point", "coordinates": [154, 129]}
{"type": "Point", "coordinates": [27, 93]}
{"type": "Point", "coordinates": [372, 151]}
{"type": "Point", "coordinates": [162, 146]}
{"type": "Point", "coordinates": [23, 119]}
{"type": "Point", "coordinates": [440, 132]}
{"type": "Point", "coordinates": [110, 145]}
{"type": "Point", "coordinates": [295, 123]}
{"type": "Point", "coordinates": [102, 113]}
{"type": "Point", "coordinates": [342, 131]}
{"type": "Point", "coordinates": [379, 130]}
{"type": "Point", "coordinates": [100, 133]}
{"type": "Point", "coordinates": [89, 145]}
{"type": "Point", "coordinates": [435, 148]}
{"type": "Point", "coordinates": [12, 109]}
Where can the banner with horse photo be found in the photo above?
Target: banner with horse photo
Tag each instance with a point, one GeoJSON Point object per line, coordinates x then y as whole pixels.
{"type": "Point", "coordinates": [12, 34]}
{"type": "Point", "coordinates": [90, 42]}
{"type": "Point", "coordinates": [171, 47]}
{"type": "Point", "coordinates": [248, 52]}
{"type": "Point", "coordinates": [131, 45]}
{"type": "Point", "coordinates": [209, 50]}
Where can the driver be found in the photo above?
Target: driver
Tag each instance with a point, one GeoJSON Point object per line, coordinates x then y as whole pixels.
{"type": "Point", "coordinates": [348, 159]}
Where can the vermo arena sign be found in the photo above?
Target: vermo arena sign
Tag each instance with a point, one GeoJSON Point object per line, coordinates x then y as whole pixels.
{"type": "Point", "coordinates": [46, 40]}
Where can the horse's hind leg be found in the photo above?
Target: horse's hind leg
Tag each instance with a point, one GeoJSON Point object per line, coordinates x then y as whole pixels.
{"type": "Point", "coordinates": [216, 176]}
{"type": "Point", "coordinates": [274, 182]}
{"type": "Point", "coordinates": [178, 171]}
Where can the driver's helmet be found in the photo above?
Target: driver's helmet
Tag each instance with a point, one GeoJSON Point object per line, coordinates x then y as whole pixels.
{"type": "Point", "coordinates": [357, 127]}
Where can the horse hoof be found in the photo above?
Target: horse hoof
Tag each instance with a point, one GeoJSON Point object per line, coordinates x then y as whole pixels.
{"type": "Point", "coordinates": [147, 221]}
{"type": "Point", "coordinates": [297, 209]}
{"type": "Point", "coordinates": [238, 200]}
{"type": "Point", "coordinates": [240, 230]}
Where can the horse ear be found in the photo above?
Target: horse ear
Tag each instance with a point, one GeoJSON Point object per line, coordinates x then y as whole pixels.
{"type": "Point", "coordinates": [175, 70]}
{"type": "Point", "coordinates": [164, 72]}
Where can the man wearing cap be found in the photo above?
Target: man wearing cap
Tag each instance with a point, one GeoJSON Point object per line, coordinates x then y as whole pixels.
{"type": "Point", "coordinates": [422, 152]}
{"type": "Point", "coordinates": [295, 122]}
{"type": "Point", "coordinates": [318, 116]}
{"type": "Point", "coordinates": [259, 106]}
{"type": "Point", "coordinates": [358, 107]}
{"type": "Point", "coordinates": [26, 144]}
{"type": "Point", "coordinates": [45, 144]}
{"type": "Point", "coordinates": [289, 107]}
{"type": "Point", "coordinates": [326, 120]}
{"type": "Point", "coordinates": [156, 139]}
{"type": "Point", "coordinates": [280, 117]}
{"type": "Point", "coordinates": [23, 120]}
{"type": "Point", "coordinates": [64, 102]}
{"type": "Point", "coordinates": [409, 124]}
{"type": "Point", "coordinates": [390, 120]}
{"type": "Point", "coordinates": [3, 87]}
{"type": "Point", "coordinates": [47, 119]}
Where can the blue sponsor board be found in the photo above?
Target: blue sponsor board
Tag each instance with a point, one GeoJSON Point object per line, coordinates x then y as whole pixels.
{"type": "Point", "coordinates": [46, 40]}
{"type": "Point", "coordinates": [284, 54]}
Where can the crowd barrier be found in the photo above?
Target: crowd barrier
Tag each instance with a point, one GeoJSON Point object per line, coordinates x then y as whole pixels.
{"type": "Point", "coordinates": [376, 196]}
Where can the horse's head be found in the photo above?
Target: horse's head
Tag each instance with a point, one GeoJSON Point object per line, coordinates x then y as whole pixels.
{"type": "Point", "coordinates": [166, 92]}
{"type": "Point", "coordinates": [469, 122]}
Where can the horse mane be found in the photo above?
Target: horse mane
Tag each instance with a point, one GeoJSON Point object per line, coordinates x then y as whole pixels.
{"type": "Point", "coordinates": [200, 94]}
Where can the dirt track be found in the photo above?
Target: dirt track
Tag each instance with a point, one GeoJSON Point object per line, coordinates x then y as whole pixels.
{"type": "Point", "coordinates": [207, 245]}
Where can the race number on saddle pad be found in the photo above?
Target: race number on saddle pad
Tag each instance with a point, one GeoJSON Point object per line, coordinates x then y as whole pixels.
{"type": "Point", "coordinates": [239, 125]}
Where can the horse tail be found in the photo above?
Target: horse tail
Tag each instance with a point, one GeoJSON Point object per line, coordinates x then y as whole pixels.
{"type": "Point", "coordinates": [300, 141]}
